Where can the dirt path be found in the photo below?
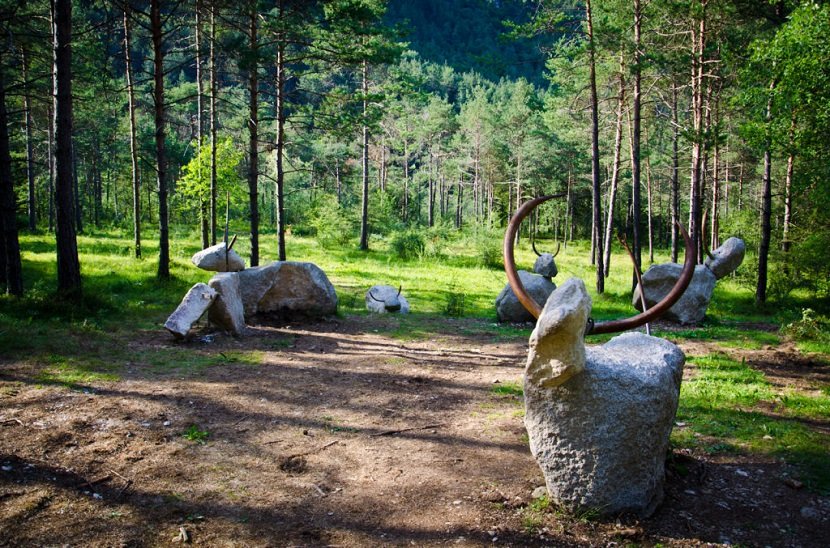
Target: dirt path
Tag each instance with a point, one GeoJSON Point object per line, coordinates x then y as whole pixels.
{"type": "Point", "coordinates": [340, 436]}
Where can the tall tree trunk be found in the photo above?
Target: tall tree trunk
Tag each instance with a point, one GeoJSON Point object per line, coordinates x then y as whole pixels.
{"type": "Point", "coordinates": [595, 170]}
{"type": "Point", "coordinates": [788, 190]}
{"type": "Point", "coordinates": [766, 211]}
{"type": "Point", "coordinates": [30, 156]}
{"type": "Point", "coordinates": [204, 214]}
{"type": "Point", "coordinates": [69, 268]}
{"type": "Point", "coordinates": [649, 213]}
{"type": "Point", "coordinates": [636, 217]}
{"type": "Point", "coordinates": [133, 141]}
{"type": "Point", "coordinates": [280, 152]}
{"type": "Point", "coordinates": [12, 273]}
{"type": "Point", "coordinates": [615, 168]}
{"type": "Point", "coordinates": [459, 196]}
{"type": "Point", "coordinates": [364, 204]}
{"type": "Point", "coordinates": [79, 226]}
{"type": "Point", "coordinates": [431, 199]}
{"type": "Point", "coordinates": [675, 177]}
{"type": "Point", "coordinates": [161, 153]}
{"type": "Point", "coordinates": [698, 114]}
{"type": "Point", "coordinates": [213, 125]}
{"type": "Point", "coordinates": [253, 143]}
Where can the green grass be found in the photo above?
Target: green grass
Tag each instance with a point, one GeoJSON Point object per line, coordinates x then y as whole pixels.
{"type": "Point", "coordinates": [508, 389]}
{"type": "Point", "coordinates": [195, 434]}
{"type": "Point", "coordinates": [727, 404]}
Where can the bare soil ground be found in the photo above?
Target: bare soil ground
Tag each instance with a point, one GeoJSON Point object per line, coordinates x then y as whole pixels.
{"type": "Point", "coordinates": [343, 437]}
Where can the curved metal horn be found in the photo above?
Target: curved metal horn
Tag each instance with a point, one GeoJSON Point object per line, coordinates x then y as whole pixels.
{"type": "Point", "coordinates": [533, 245]}
{"type": "Point", "coordinates": [555, 253]}
{"type": "Point", "coordinates": [614, 326]}
{"type": "Point", "coordinates": [400, 288]}
{"type": "Point", "coordinates": [373, 297]}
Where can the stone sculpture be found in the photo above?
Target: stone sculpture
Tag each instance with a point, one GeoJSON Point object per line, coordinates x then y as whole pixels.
{"type": "Point", "coordinates": [508, 307]}
{"type": "Point", "coordinates": [599, 419]}
{"type": "Point", "coordinates": [383, 299]}
{"type": "Point", "coordinates": [692, 306]}
{"type": "Point", "coordinates": [194, 304]}
{"type": "Point", "coordinates": [213, 259]}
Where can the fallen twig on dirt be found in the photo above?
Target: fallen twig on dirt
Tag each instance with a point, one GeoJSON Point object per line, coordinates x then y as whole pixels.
{"type": "Point", "coordinates": [401, 430]}
{"type": "Point", "coordinates": [240, 420]}
{"type": "Point", "coordinates": [8, 421]}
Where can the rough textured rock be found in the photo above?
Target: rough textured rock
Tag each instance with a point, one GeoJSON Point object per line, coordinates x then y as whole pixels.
{"type": "Point", "coordinates": [287, 288]}
{"type": "Point", "coordinates": [213, 259]}
{"type": "Point", "coordinates": [691, 308]}
{"type": "Point", "coordinates": [545, 266]}
{"type": "Point", "coordinates": [384, 299]}
{"type": "Point", "coordinates": [194, 304]}
{"type": "Point", "coordinates": [727, 258]}
{"type": "Point", "coordinates": [601, 437]}
{"type": "Point", "coordinates": [227, 311]}
{"type": "Point", "coordinates": [557, 351]}
{"type": "Point", "coordinates": [508, 307]}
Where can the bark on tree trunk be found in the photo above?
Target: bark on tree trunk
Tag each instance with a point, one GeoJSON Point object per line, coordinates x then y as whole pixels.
{"type": "Point", "coordinates": [161, 153]}
{"type": "Point", "coordinates": [698, 75]}
{"type": "Point", "coordinates": [253, 143]}
{"type": "Point", "coordinates": [30, 156]}
{"type": "Point", "coordinates": [133, 142]}
{"type": "Point", "coordinates": [364, 204]}
{"type": "Point", "coordinates": [12, 271]}
{"type": "Point", "coordinates": [204, 220]}
{"type": "Point", "coordinates": [615, 168]}
{"type": "Point", "coordinates": [280, 104]}
{"type": "Point", "coordinates": [788, 194]}
{"type": "Point", "coordinates": [595, 170]}
{"type": "Point", "coordinates": [69, 269]}
{"type": "Point", "coordinates": [675, 178]}
{"type": "Point", "coordinates": [766, 213]}
{"type": "Point", "coordinates": [636, 219]}
{"type": "Point", "coordinates": [213, 125]}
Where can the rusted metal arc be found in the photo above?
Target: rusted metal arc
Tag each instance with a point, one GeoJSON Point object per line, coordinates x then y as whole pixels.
{"type": "Point", "coordinates": [615, 326]}
{"type": "Point", "coordinates": [510, 262]}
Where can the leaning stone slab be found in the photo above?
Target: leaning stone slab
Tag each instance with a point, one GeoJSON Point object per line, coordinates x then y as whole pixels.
{"type": "Point", "coordinates": [213, 259]}
{"type": "Point", "coordinates": [601, 437]}
{"type": "Point", "coordinates": [227, 311]}
{"type": "Point", "coordinates": [508, 307]}
{"type": "Point", "coordinates": [691, 308]}
{"type": "Point", "coordinates": [557, 352]}
{"type": "Point", "coordinates": [383, 299]}
{"type": "Point", "coordinates": [287, 289]}
{"type": "Point", "coordinates": [727, 258]}
{"type": "Point", "coordinates": [194, 304]}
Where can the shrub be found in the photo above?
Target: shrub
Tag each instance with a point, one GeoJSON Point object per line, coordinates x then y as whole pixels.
{"type": "Point", "coordinates": [456, 301]}
{"type": "Point", "coordinates": [408, 244]}
{"type": "Point", "coordinates": [332, 223]}
{"type": "Point", "coordinates": [811, 326]}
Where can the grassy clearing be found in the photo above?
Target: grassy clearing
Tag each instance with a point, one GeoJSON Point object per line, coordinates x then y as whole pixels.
{"type": "Point", "coordinates": [729, 407]}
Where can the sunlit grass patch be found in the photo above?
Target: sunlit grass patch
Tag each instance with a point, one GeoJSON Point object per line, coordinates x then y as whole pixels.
{"type": "Point", "coordinates": [727, 401]}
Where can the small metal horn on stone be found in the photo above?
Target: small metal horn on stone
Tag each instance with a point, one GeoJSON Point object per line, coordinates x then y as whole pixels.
{"type": "Point", "coordinates": [400, 288]}
{"type": "Point", "coordinates": [533, 245]}
{"type": "Point", "coordinates": [614, 326]}
{"type": "Point", "coordinates": [374, 298]}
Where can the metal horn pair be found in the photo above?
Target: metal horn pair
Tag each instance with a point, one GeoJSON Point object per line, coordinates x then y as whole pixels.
{"type": "Point", "coordinates": [533, 245]}
{"type": "Point", "coordinates": [614, 326]}
{"type": "Point", "coordinates": [400, 288]}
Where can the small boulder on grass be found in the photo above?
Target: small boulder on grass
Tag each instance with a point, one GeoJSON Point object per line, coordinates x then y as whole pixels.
{"type": "Point", "coordinates": [213, 259]}
{"type": "Point", "coordinates": [194, 304]}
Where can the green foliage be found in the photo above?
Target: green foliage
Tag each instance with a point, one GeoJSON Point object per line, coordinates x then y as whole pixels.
{"type": "Point", "coordinates": [334, 225]}
{"type": "Point", "coordinates": [193, 188]}
{"type": "Point", "coordinates": [408, 244]}
{"type": "Point", "coordinates": [455, 301]}
{"type": "Point", "coordinates": [195, 434]}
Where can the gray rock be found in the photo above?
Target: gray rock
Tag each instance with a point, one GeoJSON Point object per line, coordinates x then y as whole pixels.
{"type": "Point", "coordinates": [254, 283]}
{"type": "Point", "coordinates": [557, 350]}
{"type": "Point", "coordinates": [727, 258]}
{"type": "Point", "coordinates": [194, 304]}
{"type": "Point", "coordinates": [213, 259]}
{"type": "Point", "coordinates": [287, 289]}
{"type": "Point", "coordinates": [601, 438]}
{"type": "Point", "coordinates": [227, 311]}
{"type": "Point", "coordinates": [811, 513]}
{"type": "Point", "coordinates": [508, 307]}
{"type": "Point", "coordinates": [691, 308]}
{"type": "Point", "coordinates": [539, 492]}
{"type": "Point", "coordinates": [385, 298]}
{"type": "Point", "coordinates": [545, 265]}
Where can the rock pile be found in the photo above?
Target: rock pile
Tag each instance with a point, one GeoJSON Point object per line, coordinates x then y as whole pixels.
{"type": "Point", "coordinates": [599, 419]}
{"type": "Point", "coordinates": [691, 308]}
{"type": "Point", "coordinates": [283, 289]}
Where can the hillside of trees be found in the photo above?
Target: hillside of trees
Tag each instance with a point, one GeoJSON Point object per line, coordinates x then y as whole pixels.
{"type": "Point", "coordinates": [329, 119]}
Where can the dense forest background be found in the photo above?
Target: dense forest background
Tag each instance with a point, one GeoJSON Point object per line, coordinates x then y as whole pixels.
{"type": "Point", "coordinates": [359, 122]}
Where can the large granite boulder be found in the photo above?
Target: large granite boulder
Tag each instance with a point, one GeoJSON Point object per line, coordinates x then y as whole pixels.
{"type": "Point", "coordinates": [691, 308]}
{"type": "Point", "coordinates": [545, 265]}
{"type": "Point", "coordinates": [383, 299]}
{"type": "Point", "coordinates": [287, 289]}
{"type": "Point", "coordinates": [213, 259]}
{"type": "Point", "coordinates": [508, 307]}
{"type": "Point", "coordinates": [600, 435]}
{"type": "Point", "coordinates": [227, 311]}
{"type": "Point", "coordinates": [194, 304]}
{"type": "Point", "coordinates": [727, 258]}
